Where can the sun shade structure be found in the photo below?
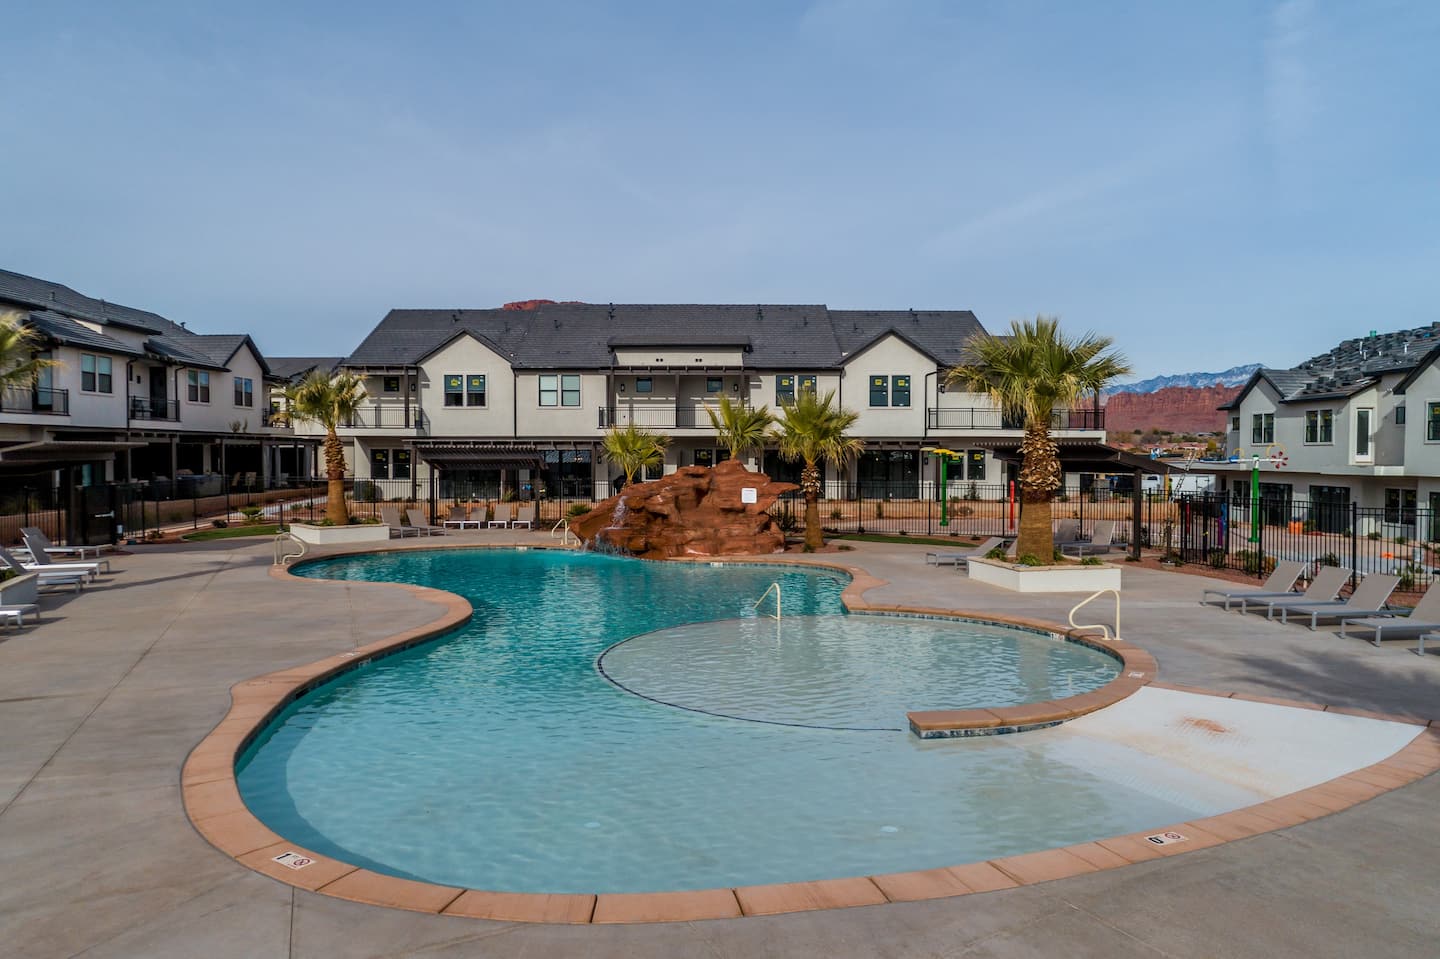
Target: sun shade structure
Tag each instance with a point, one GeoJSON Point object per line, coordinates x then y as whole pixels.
{"type": "Point", "coordinates": [479, 456]}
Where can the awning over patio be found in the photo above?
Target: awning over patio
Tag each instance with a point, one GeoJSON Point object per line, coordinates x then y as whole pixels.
{"type": "Point", "coordinates": [45, 453]}
{"type": "Point", "coordinates": [1082, 456]}
{"type": "Point", "coordinates": [485, 456]}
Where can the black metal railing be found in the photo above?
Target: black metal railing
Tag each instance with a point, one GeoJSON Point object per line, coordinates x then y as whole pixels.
{"type": "Point", "coordinates": [387, 418]}
{"type": "Point", "coordinates": [147, 409]}
{"type": "Point", "coordinates": [989, 418]}
{"type": "Point", "coordinates": [680, 417]}
{"type": "Point", "coordinates": [40, 399]}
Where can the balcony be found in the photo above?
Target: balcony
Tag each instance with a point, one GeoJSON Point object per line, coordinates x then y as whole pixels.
{"type": "Point", "coordinates": [165, 411]}
{"type": "Point", "coordinates": [990, 419]}
{"type": "Point", "coordinates": [683, 417]}
{"type": "Point", "coordinates": [387, 418]}
{"type": "Point", "coordinates": [40, 399]}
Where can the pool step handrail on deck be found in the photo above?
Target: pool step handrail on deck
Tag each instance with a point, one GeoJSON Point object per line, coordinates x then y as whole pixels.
{"type": "Point", "coordinates": [282, 539]}
{"type": "Point", "coordinates": [1106, 632]}
{"type": "Point", "coordinates": [564, 526]}
{"type": "Point", "coordinates": [773, 588]}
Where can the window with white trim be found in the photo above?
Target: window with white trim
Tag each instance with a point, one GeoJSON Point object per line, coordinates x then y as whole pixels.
{"type": "Point", "coordinates": [96, 374]}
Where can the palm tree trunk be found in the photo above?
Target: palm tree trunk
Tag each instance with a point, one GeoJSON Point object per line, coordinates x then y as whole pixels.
{"type": "Point", "coordinates": [1040, 476]}
{"type": "Point", "coordinates": [335, 509]}
{"type": "Point", "coordinates": [810, 486]}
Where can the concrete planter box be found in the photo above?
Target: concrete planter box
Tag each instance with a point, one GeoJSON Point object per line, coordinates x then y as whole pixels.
{"type": "Point", "coordinates": [340, 535]}
{"type": "Point", "coordinates": [1045, 579]}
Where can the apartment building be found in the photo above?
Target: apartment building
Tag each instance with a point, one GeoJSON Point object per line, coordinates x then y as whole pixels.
{"type": "Point", "coordinates": [1357, 424]}
{"type": "Point", "coordinates": [137, 397]}
{"type": "Point", "coordinates": [519, 399]}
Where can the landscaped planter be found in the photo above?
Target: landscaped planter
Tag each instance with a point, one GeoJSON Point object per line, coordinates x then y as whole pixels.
{"type": "Point", "coordinates": [1070, 578]}
{"type": "Point", "coordinates": [340, 535]}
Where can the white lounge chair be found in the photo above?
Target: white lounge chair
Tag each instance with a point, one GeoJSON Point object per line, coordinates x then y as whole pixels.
{"type": "Point", "coordinates": [36, 537]}
{"type": "Point", "coordinates": [498, 522]}
{"type": "Point", "coordinates": [46, 578]}
{"type": "Point", "coordinates": [1424, 618]}
{"type": "Point", "coordinates": [1279, 584]}
{"type": "Point", "coordinates": [390, 516]}
{"type": "Point", "coordinates": [41, 559]}
{"type": "Point", "coordinates": [524, 516]}
{"type": "Point", "coordinates": [417, 519]}
{"type": "Point", "coordinates": [459, 518]}
{"type": "Point", "coordinates": [1369, 596]}
{"type": "Point", "coordinates": [1323, 589]}
{"type": "Point", "coordinates": [963, 557]}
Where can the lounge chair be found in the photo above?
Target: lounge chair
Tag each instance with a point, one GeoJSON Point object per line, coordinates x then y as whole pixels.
{"type": "Point", "coordinates": [498, 522]}
{"type": "Point", "coordinates": [1369, 596]}
{"type": "Point", "coordinates": [18, 596]}
{"type": "Point", "coordinates": [41, 557]}
{"type": "Point", "coordinates": [1066, 531]}
{"type": "Point", "coordinates": [417, 519]}
{"type": "Point", "coordinates": [1323, 589]}
{"type": "Point", "coordinates": [390, 516]}
{"type": "Point", "coordinates": [459, 518]}
{"type": "Point", "coordinates": [963, 557]}
{"type": "Point", "coordinates": [35, 537]}
{"type": "Point", "coordinates": [1281, 583]}
{"type": "Point", "coordinates": [1424, 618]}
{"type": "Point", "coordinates": [1099, 542]}
{"type": "Point", "coordinates": [46, 578]}
{"type": "Point", "coordinates": [524, 516]}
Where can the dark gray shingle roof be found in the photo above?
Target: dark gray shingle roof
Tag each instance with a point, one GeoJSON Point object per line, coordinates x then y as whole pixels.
{"type": "Point", "coordinates": [293, 367]}
{"type": "Point", "coordinates": [63, 329]}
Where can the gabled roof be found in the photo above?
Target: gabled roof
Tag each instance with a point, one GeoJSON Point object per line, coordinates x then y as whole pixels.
{"type": "Point", "coordinates": [222, 347]}
{"type": "Point", "coordinates": [62, 329]}
{"type": "Point", "coordinates": [585, 335]}
{"type": "Point", "coordinates": [179, 350]}
{"type": "Point", "coordinates": [295, 367]}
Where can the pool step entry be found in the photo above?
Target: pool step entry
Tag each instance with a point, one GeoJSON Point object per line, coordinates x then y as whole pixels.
{"type": "Point", "coordinates": [1106, 632]}
{"type": "Point", "coordinates": [283, 540]}
{"type": "Point", "coordinates": [774, 588]}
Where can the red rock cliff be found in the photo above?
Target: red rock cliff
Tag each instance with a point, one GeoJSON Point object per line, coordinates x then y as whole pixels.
{"type": "Point", "coordinates": [1180, 409]}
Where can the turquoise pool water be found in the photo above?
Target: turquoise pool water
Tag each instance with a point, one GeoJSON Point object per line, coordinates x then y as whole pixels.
{"type": "Point", "coordinates": [697, 754]}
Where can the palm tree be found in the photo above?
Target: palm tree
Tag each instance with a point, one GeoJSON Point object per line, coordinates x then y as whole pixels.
{"type": "Point", "coordinates": [814, 430]}
{"type": "Point", "coordinates": [331, 402]}
{"type": "Point", "coordinates": [740, 429]}
{"type": "Point", "coordinates": [19, 367]}
{"type": "Point", "coordinates": [1029, 374]}
{"type": "Point", "coordinates": [633, 449]}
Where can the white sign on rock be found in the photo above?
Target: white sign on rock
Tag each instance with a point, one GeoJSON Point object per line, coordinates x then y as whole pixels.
{"type": "Point", "coordinates": [748, 495]}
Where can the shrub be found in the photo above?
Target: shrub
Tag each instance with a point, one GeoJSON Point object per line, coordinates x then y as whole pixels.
{"type": "Point", "coordinates": [1401, 540]}
{"type": "Point", "coordinates": [1030, 559]}
{"type": "Point", "coordinates": [1373, 534]}
{"type": "Point", "coordinates": [1251, 561]}
{"type": "Point", "coordinates": [787, 521]}
{"type": "Point", "coordinates": [962, 511]}
{"type": "Point", "coordinates": [972, 492]}
{"type": "Point", "coordinates": [1216, 559]}
{"type": "Point", "coordinates": [996, 553]}
{"type": "Point", "coordinates": [220, 524]}
{"type": "Point", "coordinates": [879, 510]}
{"type": "Point", "coordinates": [1408, 577]}
{"type": "Point", "coordinates": [251, 514]}
{"type": "Point", "coordinates": [1057, 555]}
{"type": "Point", "coordinates": [835, 513]}
{"type": "Point", "coordinates": [1091, 561]}
{"type": "Point", "coordinates": [1329, 559]}
{"type": "Point", "coordinates": [577, 510]}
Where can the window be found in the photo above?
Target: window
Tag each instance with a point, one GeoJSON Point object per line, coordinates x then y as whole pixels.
{"type": "Point", "coordinates": [95, 374]}
{"type": "Point", "coordinates": [654, 471]}
{"type": "Point", "coordinates": [644, 384]}
{"type": "Point", "coordinates": [454, 389]}
{"type": "Point", "coordinates": [400, 464]}
{"type": "Point", "coordinates": [785, 390]}
{"type": "Point", "coordinates": [807, 384]}
{"type": "Point", "coordinates": [380, 464]}
{"type": "Point", "coordinates": [714, 384]}
{"type": "Point", "coordinates": [1319, 426]}
{"type": "Point", "coordinates": [975, 467]}
{"type": "Point", "coordinates": [1432, 421]}
{"type": "Point", "coordinates": [879, 391]}
{"type": "Point", "coordinates": [1362, 433]}
{"type": "Point", "coordinates": [391, 384]}
{"type": "Point", "coordinates": [244, 391]}
{"type": "Point", "coordinates": [570, 389]}
{"type": "Point", "coordinates": [197, 386]}
{"type": "Point", "coordinates": [1399, 416]}
{"type": "Point", "coordinates": [564, 390]}
{"type": "Point", "coordinates": [1400, 506]}
{"type": "Point", "coordinates": [550, 390]}
{"type": "Point", "coordinates": [1262, 428]}
{"type": "Point", "coordinates": [475, 389]}
{"type": "Point", "coordinates": [1234, 424]}
{"type": "Point", "coordinates": [899, 391]}
{"type": "Point", "coordinates": [704, 457]}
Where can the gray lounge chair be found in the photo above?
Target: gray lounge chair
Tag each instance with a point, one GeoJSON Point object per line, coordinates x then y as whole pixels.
{"type": "Point", "coordinates": [417, 519]}
{"type": "Point", "coordinates": [41, 559]}
{"type": "Point", "coordinates": [460, 518]}
{"type": "Point", "coordinates": [19, 595]}
{"type": "Point", "coordinates": [1424, 618]}
{"type": "Point", "coordinates": [390, 516]}
{"type": "Point", "coordinates": [1368, 597]}
{"type": "Point", "coordinates": [1324, 588]}
{"type": "Point", "coordinates": [1099, 542]}
{"type": "Point", "coordinates": [963, 557]}
{"type": "Point", "coordinates": [524, 516]}
{"type": "Point", "coordinates": [501, 521]}
{"type": "Point", "coordinates": [1066, 531]}
{"type": "Point", "coordinates": [36, 537]}
{"type": "Point", "coordinates": [46, 578]}
{"type": "Point", "coordinates": [1281, 583]}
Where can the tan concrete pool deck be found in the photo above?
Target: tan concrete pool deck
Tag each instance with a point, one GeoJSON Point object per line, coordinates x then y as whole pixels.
{"type": "Point", "coordinates": [102, 702]}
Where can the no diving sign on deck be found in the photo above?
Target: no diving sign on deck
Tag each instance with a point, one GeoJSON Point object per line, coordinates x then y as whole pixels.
{"type": "Point", "coordinates": [294, 860]}
{"type": "Point", "coordinates": [1166, 838]}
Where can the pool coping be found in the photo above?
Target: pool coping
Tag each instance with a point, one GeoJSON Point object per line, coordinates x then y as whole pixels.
{"type": "Point", "coordinates": [213, 803]}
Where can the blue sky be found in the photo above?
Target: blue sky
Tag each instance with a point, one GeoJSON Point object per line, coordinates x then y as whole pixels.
{"type": "Point", "coordinates": [1211, 184]}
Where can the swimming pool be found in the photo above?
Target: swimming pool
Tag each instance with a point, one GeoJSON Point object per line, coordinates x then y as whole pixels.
{"type": "Point", "coordinates": [697, 754]}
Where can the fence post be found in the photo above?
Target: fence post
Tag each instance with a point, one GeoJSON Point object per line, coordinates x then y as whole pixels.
{"type": "Point", "coordinates": [1354, 540]}
{"type": "Point", "coordinates": [194, 505]}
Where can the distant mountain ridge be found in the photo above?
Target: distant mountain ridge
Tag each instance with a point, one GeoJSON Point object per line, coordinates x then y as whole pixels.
{"type": "Point", "coordinates": [1235, 376]}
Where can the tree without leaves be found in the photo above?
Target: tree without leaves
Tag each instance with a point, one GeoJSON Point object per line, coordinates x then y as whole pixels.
{"type": "Point", "coordinates": [633, 449]}
{"type": "Point", "coordinates": [1030, 373]}
{"type": "Point", "coordinates": [739, 429]}
{"type": "Point", "coordinates": [331, 401]}
{"type": "Point", "coordinates": [814, 431]}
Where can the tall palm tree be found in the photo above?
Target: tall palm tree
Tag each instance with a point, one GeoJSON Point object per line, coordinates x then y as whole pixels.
{"type": "Point", "coordinates": [740, 429]}
{"type": "Point", "coordinates": [1029, 374]}
{"type": "Point", "coordinates": [330, 402]}
{"type": "Point", "coordinates": [633, 449]}
{"type": "Point", "coordinates": [815, 431]}
{"type": "Point", "coordinates": [19, 367]}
